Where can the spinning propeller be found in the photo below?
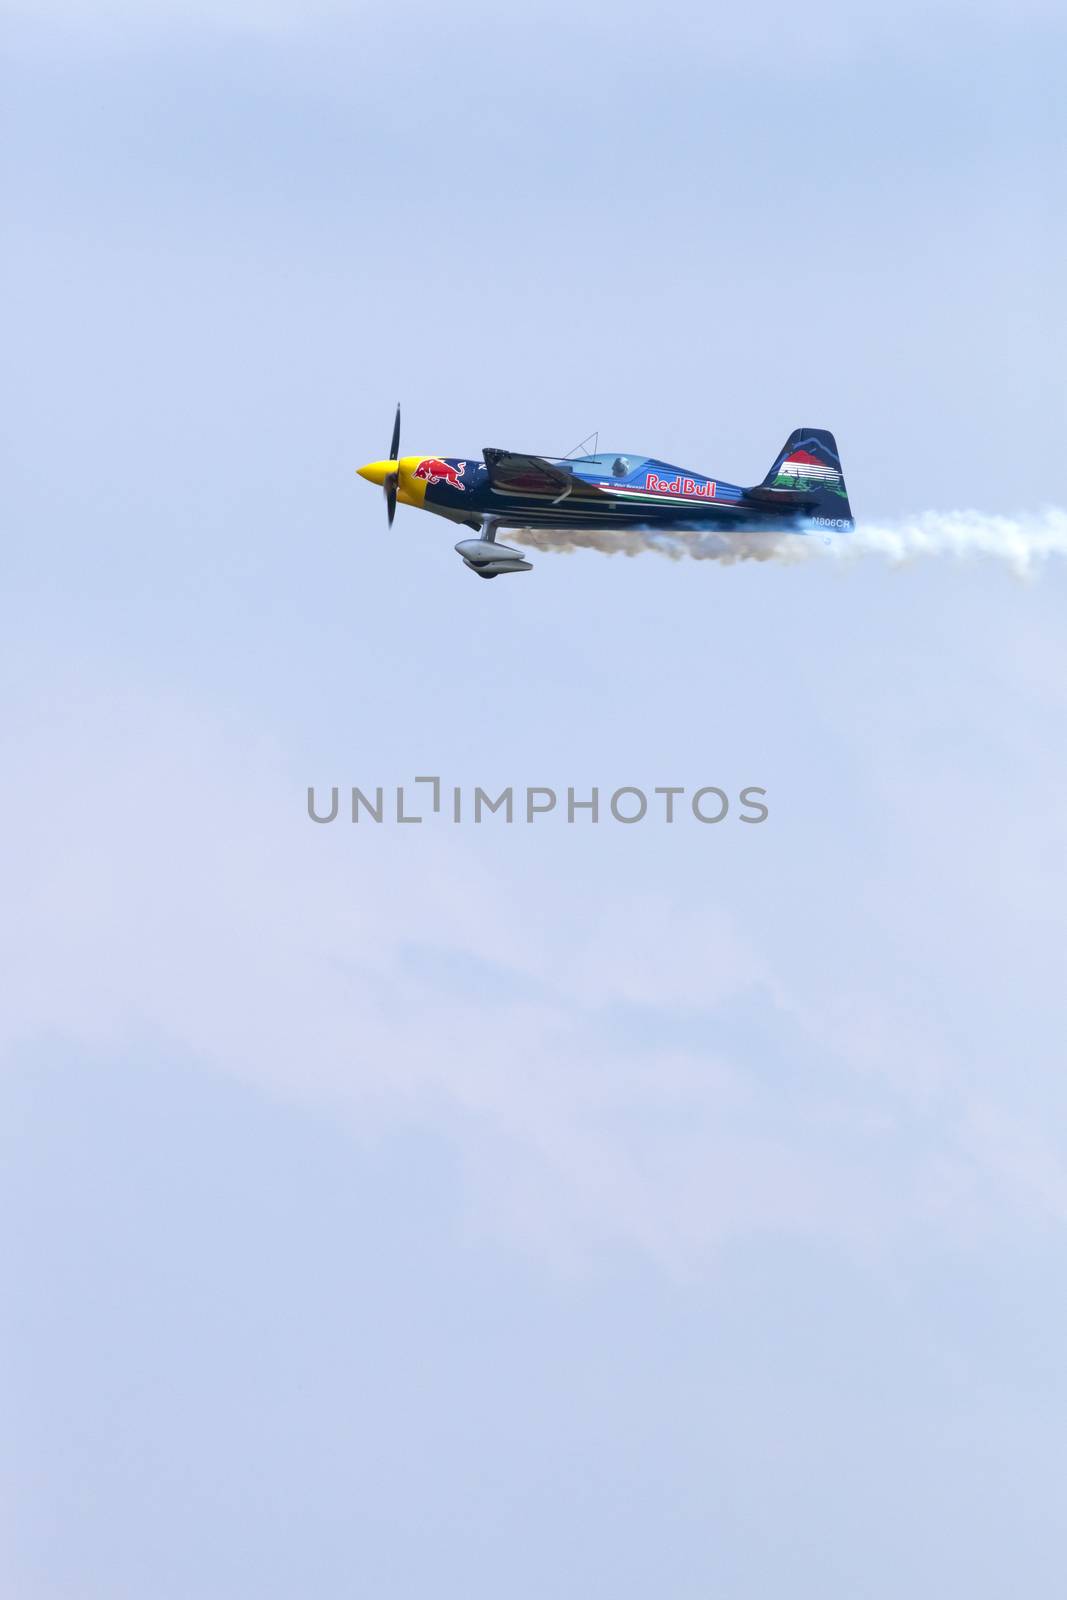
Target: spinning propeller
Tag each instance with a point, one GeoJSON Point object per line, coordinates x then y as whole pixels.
{"type": "Point", "coordinates": [391, 479]}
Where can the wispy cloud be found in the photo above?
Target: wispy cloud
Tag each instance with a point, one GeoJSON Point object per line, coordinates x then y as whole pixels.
{"type": "Point", "coordinates": [619, 1086]}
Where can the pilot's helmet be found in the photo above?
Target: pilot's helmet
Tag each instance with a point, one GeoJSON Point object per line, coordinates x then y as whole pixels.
{"type": "Point", "coordinates": [620, 467]}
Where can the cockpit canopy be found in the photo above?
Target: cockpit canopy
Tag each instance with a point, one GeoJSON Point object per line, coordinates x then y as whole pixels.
{"type": "Point", "coordinates": [609, 464]}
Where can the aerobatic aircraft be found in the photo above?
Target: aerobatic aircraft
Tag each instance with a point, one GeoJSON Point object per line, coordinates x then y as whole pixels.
{"type": "Point", "coordinates": [803, 492]}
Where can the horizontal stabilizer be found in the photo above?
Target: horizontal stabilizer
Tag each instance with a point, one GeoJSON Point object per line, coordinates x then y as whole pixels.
{"type": "Point", "coordinates": [797, 499]}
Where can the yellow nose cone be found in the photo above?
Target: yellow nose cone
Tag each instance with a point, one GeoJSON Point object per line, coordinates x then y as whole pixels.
{"type": "Point", "coordinates": [377, 471]}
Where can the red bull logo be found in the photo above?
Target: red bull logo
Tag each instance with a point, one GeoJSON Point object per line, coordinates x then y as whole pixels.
{"type": "Point", "coordinates": [434, 470]}
{"type": "Point", "coordinates": [693, 488]}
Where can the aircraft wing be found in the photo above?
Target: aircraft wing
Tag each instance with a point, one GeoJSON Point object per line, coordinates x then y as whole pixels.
{"type": "Point", "coordinates": [512, 473]}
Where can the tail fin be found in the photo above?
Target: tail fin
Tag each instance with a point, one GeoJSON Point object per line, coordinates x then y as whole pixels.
{"type": "Point", "coordinates": [809, 461]}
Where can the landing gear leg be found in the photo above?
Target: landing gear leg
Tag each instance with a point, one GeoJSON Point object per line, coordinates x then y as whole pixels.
{"type": "Point", "coordinates": [487, 536]}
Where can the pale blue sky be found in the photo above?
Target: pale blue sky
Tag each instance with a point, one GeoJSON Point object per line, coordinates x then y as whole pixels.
{"type": "Point", "coordinates": [539, 1211]}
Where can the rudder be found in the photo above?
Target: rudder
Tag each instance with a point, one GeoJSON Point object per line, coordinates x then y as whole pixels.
{"type": "Point", "coordinates": [810, 461]}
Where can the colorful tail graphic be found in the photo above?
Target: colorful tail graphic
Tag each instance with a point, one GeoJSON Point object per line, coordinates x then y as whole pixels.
{"type": "Point", "coordinates": [809, 460]}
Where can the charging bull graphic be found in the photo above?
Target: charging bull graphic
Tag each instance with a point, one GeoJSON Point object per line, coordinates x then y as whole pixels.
{"type": "Point", "coordinates": [435, 470]}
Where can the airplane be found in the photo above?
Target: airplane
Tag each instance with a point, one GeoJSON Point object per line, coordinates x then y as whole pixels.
{"type": "Point", "coordinates": [804, 491]}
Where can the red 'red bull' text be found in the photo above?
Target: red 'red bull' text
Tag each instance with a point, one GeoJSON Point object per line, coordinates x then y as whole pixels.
{"type": "Point", "coordinates": [690, 487]}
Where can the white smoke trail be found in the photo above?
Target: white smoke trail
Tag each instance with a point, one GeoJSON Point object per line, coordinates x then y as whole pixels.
{"type": "Point", "coordinates": [1022, 542]}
